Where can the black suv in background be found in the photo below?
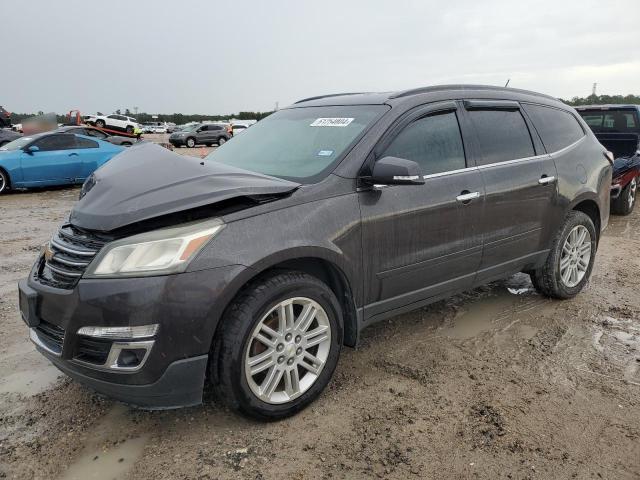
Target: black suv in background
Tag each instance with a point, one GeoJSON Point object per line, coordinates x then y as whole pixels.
{"type": "Point", "coordinates": [252, 268]}
{"type": "Point", "coordinates": [617, 127]}
{"type": "Point", "coordinates": [200, 134]}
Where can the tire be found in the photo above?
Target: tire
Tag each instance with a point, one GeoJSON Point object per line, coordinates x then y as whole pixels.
{"type": "Point", "coordinates": [221, 141]}
{"type": "Point", "coordinates": [5, 182]}
{"type": "Point", "coordinates": [623, 205]}
{"type": "Point", "coordinates": [233, 346]}
{"type": "Point", "coordinates": [129, 129]}
{"type": "Point", "coordinates": [126, 144]}
{"type": "Point", "coordinates": [549, 279]}
{"type": "Point", "coordinates": [100, 123]}
{"type": "Point", "coordinates": [191, 142]}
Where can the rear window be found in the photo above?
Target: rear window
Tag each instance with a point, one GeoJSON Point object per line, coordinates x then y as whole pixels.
{"type": "Point", "coordinates": [557, 128]}
{"type": "Point", "coordinates": [503, 135]}
{"type": "Point", "coordinates": [611, 121]}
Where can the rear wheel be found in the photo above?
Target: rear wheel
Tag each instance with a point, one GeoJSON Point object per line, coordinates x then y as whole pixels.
{"type": "Point", "coordinates": [191, 142]}
{"type": "Point", "coordinates": [129, 129]}
{"type": "Point", "coordinates": [221, 141]}
{"type": "Point", "coordinates": [277, 346]}
{"type": "Point", "coordinates": [570, 261]}
{"type": "Point", "coordinates": [4, 182]}
{"type": "Point", "coordinates": [623, 205]}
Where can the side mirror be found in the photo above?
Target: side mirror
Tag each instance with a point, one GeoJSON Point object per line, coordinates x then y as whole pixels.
{"type": "Point", "coordinates": [32, 149]}
{"type": "Point", "coordinates": [396, 171]}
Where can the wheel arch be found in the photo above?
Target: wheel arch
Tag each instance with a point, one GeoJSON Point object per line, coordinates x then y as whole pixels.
{"type": "Point", "coordinates": [7, 176]}
{"type": "Point", "coordinates": [589, 207]}
{"type": "Point", "coordinates": [316, 265]}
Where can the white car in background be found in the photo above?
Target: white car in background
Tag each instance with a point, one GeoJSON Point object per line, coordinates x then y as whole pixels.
{"type": "Point", "coordinates": [114, 122]}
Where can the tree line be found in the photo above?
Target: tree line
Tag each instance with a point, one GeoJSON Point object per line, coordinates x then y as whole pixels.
{"type": "Point", "coordinates": [603, 99]}
{"type": "Point", "coordinates": [143, 117]}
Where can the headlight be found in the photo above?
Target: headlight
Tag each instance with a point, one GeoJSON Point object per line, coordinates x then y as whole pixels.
{"type": "Point", "coordinates": [158, 252]}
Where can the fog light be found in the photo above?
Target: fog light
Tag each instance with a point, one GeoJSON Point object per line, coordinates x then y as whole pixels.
{"type": "Point", "coordinates": [131, 357]}
{"type": "Point", "coordinates": [142, 331]}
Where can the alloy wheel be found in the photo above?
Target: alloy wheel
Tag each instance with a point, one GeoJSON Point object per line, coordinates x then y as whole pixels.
{"type": "Point", "coordinates": [287, 350]}
{"type": "Point", "coordinates": [576, 255]}
{"type": "Point", "coordinates": [633, 186]}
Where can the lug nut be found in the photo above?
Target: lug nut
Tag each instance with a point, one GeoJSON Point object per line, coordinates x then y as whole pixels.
{"type": "Point", "coordinates": [280, 347]}
{"type": "Point", "coordinates": [298, 338]}
{"type": "Point", "coordinates": [299, 351]}
{"type": "Point", "coordinates": [290, 361]}
{"type": "Point", "coordinates": [280, 359]}
{"type": "Point", "coordinates": [288, 337]}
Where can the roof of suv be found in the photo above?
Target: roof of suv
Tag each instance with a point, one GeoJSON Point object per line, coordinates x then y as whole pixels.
{"type": "Point", "coordinates": [379, 98]}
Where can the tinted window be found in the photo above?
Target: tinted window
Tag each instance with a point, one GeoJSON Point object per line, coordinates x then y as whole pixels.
{"type": "Point", "coordinates": [503, 135]}
{"type": "Point", "coordinates": [215, 127]}
{"type": "Point", "coordinates": [85, 143]}
{"type": "Point", "coordinates": [558, 129]}
{"type": "Point", "coordinates": [55, 142]}
{"type": "Point", "coordinates": [433, 142]}
{"type": "Point", "coordinates": [613, 121]}
{"type": "Point", "coordinates": [95, 133]}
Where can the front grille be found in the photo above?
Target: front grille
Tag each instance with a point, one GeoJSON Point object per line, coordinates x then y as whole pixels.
{"type": "Point", "coordinates": [93, 350]}
{"type": "Point", "coordinates": [52, 336]}
{"type": "Point", "coordinates": [68, 254]}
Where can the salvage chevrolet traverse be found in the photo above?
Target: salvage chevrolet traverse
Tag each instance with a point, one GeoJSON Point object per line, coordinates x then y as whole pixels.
{"type": "Point", "coordinates": [250, 269]}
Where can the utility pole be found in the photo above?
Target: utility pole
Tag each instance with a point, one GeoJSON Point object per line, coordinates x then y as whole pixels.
{"type": "Point", "coordinates": [135, 109]}
{"type": "Point", "coordinates": [593, 90]}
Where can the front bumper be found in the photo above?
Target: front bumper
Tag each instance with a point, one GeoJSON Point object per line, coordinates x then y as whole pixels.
{"type": "Point", "coordinates": [186, 307]}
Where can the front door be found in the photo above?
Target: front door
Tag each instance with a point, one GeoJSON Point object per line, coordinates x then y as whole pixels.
{"type": "Point", "coordinates": [56, 162]}
{"type": "Point", "coordinates": [520, 184]}
{"type": "Point", "coordinates": [422, 241]}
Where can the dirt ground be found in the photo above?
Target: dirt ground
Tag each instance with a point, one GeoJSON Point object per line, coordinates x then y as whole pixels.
{"type": "Point", "coordinates": [496, 383]}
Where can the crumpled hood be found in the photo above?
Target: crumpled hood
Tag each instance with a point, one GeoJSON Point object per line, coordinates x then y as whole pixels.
{"type": "Point", "coordinates": [148, 181]}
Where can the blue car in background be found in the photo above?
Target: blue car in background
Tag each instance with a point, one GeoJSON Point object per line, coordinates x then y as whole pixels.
{"type": "Point", "coordinates": [52, 158]}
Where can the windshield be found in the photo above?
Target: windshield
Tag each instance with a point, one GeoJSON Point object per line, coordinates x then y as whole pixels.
{"type": "Point", "coordinates": [299, 144]}
{"type": "Point", "coordinates": [17, 144]}
{"type": "Point", "coordinates": [613, 121]}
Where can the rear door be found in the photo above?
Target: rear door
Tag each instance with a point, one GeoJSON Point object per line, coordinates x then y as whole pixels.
{"type": "Point", "coordinates": [421, 241]}
{"type": "Point", "coordinates": [520, 184]}
{"type": "Point", "coordinates": [90, 155]}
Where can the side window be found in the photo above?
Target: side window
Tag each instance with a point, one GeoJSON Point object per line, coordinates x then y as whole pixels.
{"type": "Point", "coordinates": [503, 135]}
{"type": "Point", "coordinates": [557, 128]}
{"type": "Point", "coordinates": [434, 142]}
{"type": "Point", "coordinates": [115, 117]}
{"type": "Point", "coordinates": [85, 143]}
{"type": "Point", "coordinates": [56, 142]}
{"type": "Point", "coordinates": [216, 127]}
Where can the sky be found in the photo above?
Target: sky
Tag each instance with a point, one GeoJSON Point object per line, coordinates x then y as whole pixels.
{"type": "Point", "coordinates": [221, 57]}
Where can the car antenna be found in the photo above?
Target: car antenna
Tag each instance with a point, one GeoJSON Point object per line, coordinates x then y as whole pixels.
{"type": "Point", "coordinates": [507, 84]}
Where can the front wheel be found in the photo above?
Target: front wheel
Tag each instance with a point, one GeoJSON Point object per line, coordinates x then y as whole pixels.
{"type": "Point", "coordinates": [570, 261]}
{"type": "Point", "coordinates": [4, 182]}
{"type": "Point", "coordinates": [278, 345]}
{"type": "Point", "coordinates": [100, 123]}
{"type": "Point", "coordinates": [191, 142]}
{"type": "Point", "coordinates": [623, 205]}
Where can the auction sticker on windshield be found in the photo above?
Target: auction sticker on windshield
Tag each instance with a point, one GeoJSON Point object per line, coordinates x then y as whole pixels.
{"type": "Point", "coordinates": [331, 122]}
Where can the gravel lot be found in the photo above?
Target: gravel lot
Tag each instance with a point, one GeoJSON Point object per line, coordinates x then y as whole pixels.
{"type": "Point", "coordinates": [496, 383]}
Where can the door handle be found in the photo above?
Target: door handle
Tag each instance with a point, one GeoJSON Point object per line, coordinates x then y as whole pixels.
{"type": "Point", "coordinates": [466, 196]}
{"type": "Point", "coordinates": [544, 180]}
{"type": "Point", "coordinates": [73, 154]}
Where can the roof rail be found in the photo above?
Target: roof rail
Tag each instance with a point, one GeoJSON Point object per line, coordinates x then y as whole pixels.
{"type": "Point", "coordinates": [328, 96]}
{"type": "Point", "coordinates": [435, 88]}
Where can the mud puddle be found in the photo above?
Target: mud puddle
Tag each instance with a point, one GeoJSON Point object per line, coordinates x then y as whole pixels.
{"type": "Point", "coordinates": [104, 457]}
